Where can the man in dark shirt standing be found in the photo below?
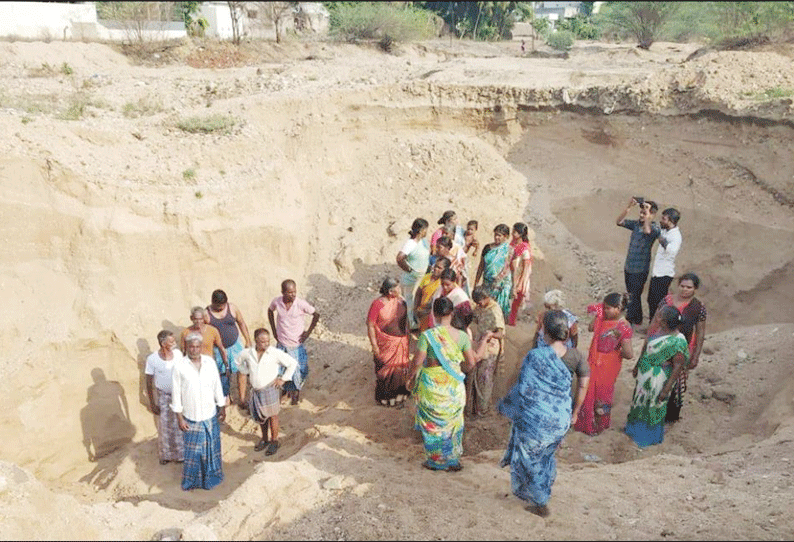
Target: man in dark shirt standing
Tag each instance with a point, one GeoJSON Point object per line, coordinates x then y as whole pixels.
{"type": "Point", "coordinates": [638, 259]}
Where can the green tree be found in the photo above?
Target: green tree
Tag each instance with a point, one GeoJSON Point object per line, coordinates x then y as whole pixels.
{"type": "Point", "coordinates": [194, 25]}
{"type": "Point", "coordinates": [750, 19]}
{"type": "Point", "coordinates": [643, 20]}
{"type": "Point", "coordinates": [480, 20]}
{"type": "Point", "coordinates": [580, 26]}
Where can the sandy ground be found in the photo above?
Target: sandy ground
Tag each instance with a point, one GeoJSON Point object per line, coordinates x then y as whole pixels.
{"type": "Point", "coordinates": [116, 222]}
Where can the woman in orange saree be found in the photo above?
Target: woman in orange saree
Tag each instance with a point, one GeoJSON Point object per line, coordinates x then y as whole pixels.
{"type": "Point", "coordinates": [611, 344]}
{"type": "Point", "coordinates": [388, 335]}
{"type": "Point", "coordinates": [428, 290]}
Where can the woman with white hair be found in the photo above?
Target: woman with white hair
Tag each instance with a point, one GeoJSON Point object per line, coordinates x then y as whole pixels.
{"type": "Point", "coordinates": [554, 300]}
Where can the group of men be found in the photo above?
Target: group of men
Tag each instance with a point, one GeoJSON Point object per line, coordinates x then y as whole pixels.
{"type": "Point", "coordinates": [644, 232]}
{"type": "Point", "coordinates": [194, 389]}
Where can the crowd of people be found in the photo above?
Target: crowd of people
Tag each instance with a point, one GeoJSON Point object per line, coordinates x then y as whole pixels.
{"type": "Point", "coordinates": [437, 336]}
{"type": "Point", "coordinates": [193, 389]}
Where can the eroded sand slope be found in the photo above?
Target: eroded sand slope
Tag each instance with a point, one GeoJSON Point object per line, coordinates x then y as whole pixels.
{"type": "Point", "coordinates": [116, 224]}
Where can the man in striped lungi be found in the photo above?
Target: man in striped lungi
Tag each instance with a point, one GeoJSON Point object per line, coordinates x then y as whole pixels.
{"type": "Point", "coordinates": [200, 405]}
{"type": "Point", "coordinates": [159, 375]}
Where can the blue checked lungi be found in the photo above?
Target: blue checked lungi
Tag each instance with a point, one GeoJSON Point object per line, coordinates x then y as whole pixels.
{"type": "Point", "coordinates": [202, 467]}
{"type": "Point", "coordinates": [299, 377]}
{"type": "Point", "coordinates": [231, 354]}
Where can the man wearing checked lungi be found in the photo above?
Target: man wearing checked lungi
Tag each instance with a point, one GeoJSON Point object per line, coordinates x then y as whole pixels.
{"type": "Point", "coordinates": [269, 367]}
{"type": "Point", "coordinates": [159, 375]}
{"type": "Point", "coordinates": [198, 401]}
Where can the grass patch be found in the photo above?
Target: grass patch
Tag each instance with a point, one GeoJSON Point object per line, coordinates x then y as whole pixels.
{"type": "Point", "coordinates": [777, 92]}
{"type": "Point", "coordinates": [198, 194]}
{"type": "Point", "coordinates": [189, 174]}
{"type": "Point", "coordinates": [45, 70]}
{"type": "Point", "coordinates": [32, 104]}
{"type": "Point", "coordinates": [144, 107]}
{"type": "Point", "coordinates": [207, 125]}
{"type": "Point", "coordinates": [769, 94]}
{"type": "Point", "coordinates": [66, 69]}
{"type": "Point", "coordinates": [78, 104]}
{"type": "Point", "coordinates": [26, 120]}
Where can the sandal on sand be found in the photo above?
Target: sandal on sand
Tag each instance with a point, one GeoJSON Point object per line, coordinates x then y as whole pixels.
{"type": "Point", "coordinates": [428, 466]}
{"type": "Point", "coordinates": [542, 510]}
{"type": "Point", "coordinates": [260, 445]}
{"type": "Point", "coordinates": [272, 448]}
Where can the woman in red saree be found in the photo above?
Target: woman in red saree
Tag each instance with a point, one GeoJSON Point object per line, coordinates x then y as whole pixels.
{"type": "Point", "coordinates": [388, 335]}
{"type": "Point", "coordinates": [611, 344]}
{"type": "Point", "coordinates": [521, 265]}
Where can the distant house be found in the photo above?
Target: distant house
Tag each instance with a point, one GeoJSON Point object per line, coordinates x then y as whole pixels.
{"type": "Point", "coordinates": [556, 11]}
{"type": "Point", "coordinates": [255, 22]}
{"type": "Point", "coordinates": [48, 21]}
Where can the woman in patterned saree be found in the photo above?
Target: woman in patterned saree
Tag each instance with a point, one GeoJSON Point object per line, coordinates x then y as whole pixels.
{"type": "Point", "coordinates": [386, 329]}
{"type": "Point", "coordinates": [693, 328]}
{"type": "Point", "coordinates": [428, 290]}
{"type": "Point", "coordinates": [442, 354]}
{"type": "Point", "coordinates": [662, 361]}
{"type": "Point", "coordinates": [539, 405]}
{"type": "Point", "coordinates": [611, 344]}
{"type": "Point", "coordinates": [494, 268]}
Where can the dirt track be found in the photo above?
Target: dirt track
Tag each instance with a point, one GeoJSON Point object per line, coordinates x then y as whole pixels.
{"type": "Point", "coordinates": [336, 149]}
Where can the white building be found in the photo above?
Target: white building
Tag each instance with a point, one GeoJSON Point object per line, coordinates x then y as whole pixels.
{"type": "Point", "coordinates": [556, 11]}
{"type": "Point", "coordinates": [48, 21]}
{"type": "Point", "coordinates": [254, 23]}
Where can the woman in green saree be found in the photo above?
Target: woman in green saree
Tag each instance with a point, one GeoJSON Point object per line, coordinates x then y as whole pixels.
{"type": "Point", "coordinates": [494, 268]}
{"type": "Point", "coordinates": [664, 356]}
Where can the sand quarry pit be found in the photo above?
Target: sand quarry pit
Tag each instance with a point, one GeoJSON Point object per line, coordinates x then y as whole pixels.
{"type": "Point", "coordinates": [116, 222]}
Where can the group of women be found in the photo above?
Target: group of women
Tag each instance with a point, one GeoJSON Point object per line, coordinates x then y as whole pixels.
{"type": "Point", "coordinates": [540, 405]}
{"type": "Point", "coordinates": [504, 269]}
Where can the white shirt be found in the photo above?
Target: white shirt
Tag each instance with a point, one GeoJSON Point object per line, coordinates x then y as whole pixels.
{"type": "Point", "coordinates": [264, 370]}
{"type": "Point", "coordinates": [664, 262]}
{"type": "Point", "coordinates": [195, 393]}
{"type": "Point", "coordinates": [162, 369]}
{"type": "Point", "coordinates": [409, 246]}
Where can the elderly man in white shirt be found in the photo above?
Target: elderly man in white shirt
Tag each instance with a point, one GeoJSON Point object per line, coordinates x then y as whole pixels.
{"type": "Point", "coordinates": [264, 364]}
{"type": "Point", "coordinates": [199, 404]}
{"type": "Point", "coordinates": [663, 269]}
{"type": "Point", "coordinates": [159, 375]}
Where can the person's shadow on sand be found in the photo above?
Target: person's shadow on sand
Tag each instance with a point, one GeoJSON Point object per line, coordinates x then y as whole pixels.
{"type": "Point", "coordinates": [106, 425]}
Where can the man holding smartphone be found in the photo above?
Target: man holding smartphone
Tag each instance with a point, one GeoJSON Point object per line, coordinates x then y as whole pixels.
{"type": "Point", "coordinates": [638, 259]}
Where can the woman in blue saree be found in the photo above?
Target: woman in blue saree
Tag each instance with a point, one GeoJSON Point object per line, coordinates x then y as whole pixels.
{"type": "Point", "coordinates": [442, 354]}
{"type": "Point", "coordinates": [494, 268]}
{"type": "Point", "coordinates": [539, 406]}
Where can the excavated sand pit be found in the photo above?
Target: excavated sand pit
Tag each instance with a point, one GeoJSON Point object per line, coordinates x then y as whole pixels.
{"type": "Point", "coordinates": [117, 223]}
